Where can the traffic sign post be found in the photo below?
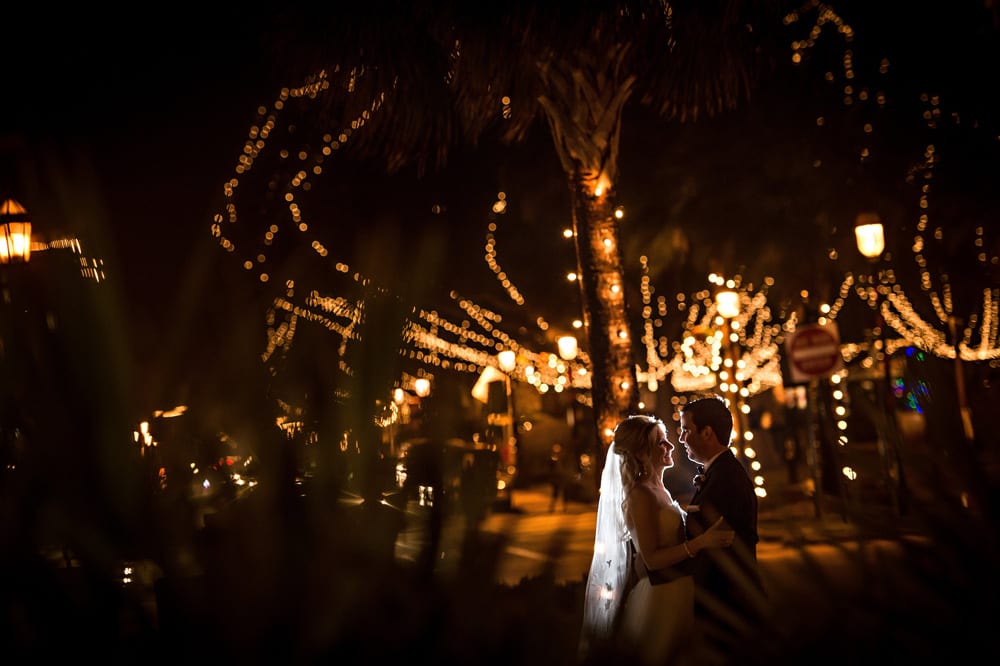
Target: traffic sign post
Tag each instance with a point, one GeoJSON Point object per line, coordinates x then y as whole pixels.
{"type": "Point", "coordinates": [813, 352]}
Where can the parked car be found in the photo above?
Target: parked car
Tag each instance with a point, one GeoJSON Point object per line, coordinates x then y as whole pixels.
{"type": "Point", "coordinates": [455, 474]}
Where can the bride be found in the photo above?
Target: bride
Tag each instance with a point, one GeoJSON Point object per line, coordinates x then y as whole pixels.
{"type": "Point", "coordinates": [636, 594]}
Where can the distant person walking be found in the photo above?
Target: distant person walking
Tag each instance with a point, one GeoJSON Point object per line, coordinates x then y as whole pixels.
{"type": "Point", "coordinates": [559, 476]}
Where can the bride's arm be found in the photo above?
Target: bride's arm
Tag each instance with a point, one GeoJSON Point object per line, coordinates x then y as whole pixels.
{"type": "Point", "coordinates": [644, 512]}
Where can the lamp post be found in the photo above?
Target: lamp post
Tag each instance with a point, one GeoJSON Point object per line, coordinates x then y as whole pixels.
{"type": "Point", "coordinates": [15, 248]}
{"type": "Point", "coordinates": [507, 360]}
{"type": "Point", "coordinates": [569, 349]}
{"type": "Point", "coordinates": [15, 253]}
{"type": "Point", "coordinates": [727, 304]}
{"type": "Point", "coordinates": [963, 401]}
{"type": "Point", "coordinates": [870, 237]}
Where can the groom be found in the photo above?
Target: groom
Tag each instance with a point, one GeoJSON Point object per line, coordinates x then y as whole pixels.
{"type": "Point", "coordinates": [729, 590]}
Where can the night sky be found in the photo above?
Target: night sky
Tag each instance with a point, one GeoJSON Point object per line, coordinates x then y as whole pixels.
{"type": "Point", "coordinates": [124, 137]}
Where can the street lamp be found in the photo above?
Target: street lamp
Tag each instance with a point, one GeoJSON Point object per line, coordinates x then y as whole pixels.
{"type": "Point", "coordinates": [870, 237]}
{"type": "Point", "coordinates": [568, 347]}
{"type": "Point", "coordinates": [15, 367]}
{"type": "Point", "coordinates": [869, 234]}
{"type": "Point", "coordinates": [963, 401]}
{"type": "Point", "coordinates": [727, 305]}
{"type": "Point", "coordinates": [507, 360]}
{"type": "Point", "coordinates": [15, 233]}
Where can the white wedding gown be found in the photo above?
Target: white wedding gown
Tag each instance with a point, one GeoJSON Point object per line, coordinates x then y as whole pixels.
{"type": "Point", "coordinates": [658, 620]}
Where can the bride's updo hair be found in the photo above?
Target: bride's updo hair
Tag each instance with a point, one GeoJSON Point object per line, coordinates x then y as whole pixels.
{"type": "Point", "coordinates": [635, 436]}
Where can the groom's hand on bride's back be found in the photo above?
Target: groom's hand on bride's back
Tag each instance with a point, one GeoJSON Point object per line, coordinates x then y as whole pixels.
{"type": "Point", "coordinates": [722, 535]}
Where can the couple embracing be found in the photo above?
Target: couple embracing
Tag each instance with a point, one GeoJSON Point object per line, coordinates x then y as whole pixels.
{"type": "Point", "coordinates": [669, 583]}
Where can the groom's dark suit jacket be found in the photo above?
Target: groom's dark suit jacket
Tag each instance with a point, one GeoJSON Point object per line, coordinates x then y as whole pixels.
{"type": "Point", "coordinates": [726, 575]}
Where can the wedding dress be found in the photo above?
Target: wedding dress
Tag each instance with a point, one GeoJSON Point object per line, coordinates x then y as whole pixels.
{"type": "Point", "coordinates": [658, 615]}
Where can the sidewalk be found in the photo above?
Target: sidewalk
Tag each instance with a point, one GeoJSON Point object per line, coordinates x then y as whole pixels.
{"type": "Point", "coordinates": [788, 516]}
{"type": "Point", "coordinates": [792, 515]}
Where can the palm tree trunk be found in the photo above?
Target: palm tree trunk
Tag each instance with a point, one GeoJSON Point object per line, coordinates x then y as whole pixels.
{"type": "Point", "coordinates": [584, 111]}
{"type": "Point", "coordinates": [613, 381]}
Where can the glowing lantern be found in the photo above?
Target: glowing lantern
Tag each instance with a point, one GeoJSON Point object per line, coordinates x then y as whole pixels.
{"type": "Point", "coordinates": [869, 234]}
{"type": "Point", "coordinates": [728, 303]}
{"type": "Point", "coordinates": [15, 233]}
{"type": "Point", "coordinates": [507, 360]}
{"type": "Point", "coordinates": [567, 347]}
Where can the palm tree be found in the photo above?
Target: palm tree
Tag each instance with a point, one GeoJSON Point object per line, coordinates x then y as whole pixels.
{"type": "Point", "coordinates": [453, 73]}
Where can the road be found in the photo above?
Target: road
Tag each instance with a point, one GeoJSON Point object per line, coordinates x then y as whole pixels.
{"type": "Point", "coordinates": [561, 543]}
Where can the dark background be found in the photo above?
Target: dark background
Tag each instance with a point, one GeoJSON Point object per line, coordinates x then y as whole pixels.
{"type": "Point", "coordinates": [122, 131]}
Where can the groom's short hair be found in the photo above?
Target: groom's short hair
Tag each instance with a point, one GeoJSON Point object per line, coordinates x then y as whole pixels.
{"type": "Point", "coordinates": [713, 412]}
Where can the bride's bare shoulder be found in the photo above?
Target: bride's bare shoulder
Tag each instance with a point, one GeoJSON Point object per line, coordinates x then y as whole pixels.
{"type": "Point", "coordinates": [640, 490]}
{"type": "Point", "coordinates": [642, 497]}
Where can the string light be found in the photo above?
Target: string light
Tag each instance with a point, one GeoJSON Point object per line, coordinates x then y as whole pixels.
{"type": "Point", "coordinates": [692, 363]}
{"type": "Point", "coordinates": [978, 339]}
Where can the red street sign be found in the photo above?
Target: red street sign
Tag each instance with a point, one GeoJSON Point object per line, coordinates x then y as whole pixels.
{"type": "Point", "coordinates": [813, 351]}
